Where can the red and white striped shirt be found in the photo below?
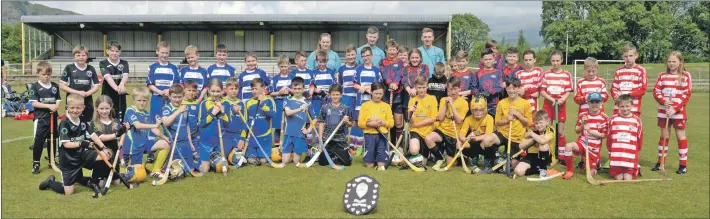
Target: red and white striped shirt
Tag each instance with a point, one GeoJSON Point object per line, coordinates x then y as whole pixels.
{"type": "Point", "coordinates": [624, 141]}
{"type": "Point", "coordinates": [597, 123]}
{"type": "Point", "coordinates": [530, 83]}
{"type": "Point", "coordinates": [586, 86]}
{"type": "Point", "coordinates": [670, 86]}
{"type": "Point", "coordinates": [556, 84]}
{"type": "Point", "coordinates": [632, 81]}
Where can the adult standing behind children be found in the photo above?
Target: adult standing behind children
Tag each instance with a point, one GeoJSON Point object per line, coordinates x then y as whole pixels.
{"type": "Point", "coordinates": [115, 73]}
{"type": "Point", "coordinates": [324, 46]}
{"type": "Point", "coordinates": [373, 34]}
{"type": "Point", "coordinates": [430, 53]}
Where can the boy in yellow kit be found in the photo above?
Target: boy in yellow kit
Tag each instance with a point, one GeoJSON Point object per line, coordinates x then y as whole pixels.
{"type": "Point", "coordinates": [375, 114]}
{"type": "Point", "coordinates": [511, 111]}
{"type": "Point", "coordinates": [424, 109]}
{"type": "Point", "coordinates": [479, 123]}
{"type": "Point", "coordinates": [452, 111]}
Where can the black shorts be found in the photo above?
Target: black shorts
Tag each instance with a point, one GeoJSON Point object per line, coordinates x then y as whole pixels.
{"type": "Point", "coordinates": [474, 149]}
{"type": "Point", "coordinates": [338, 151]}
{"type": "Point", "coordinates": [515, 147]}
{"type": "Point", "coordinates": [534, 161]}
{"type": "Point", "coordinates": [72, 173]}
{"type": "Point", "coordinates": [423, 149]}
{"type": "Point", "coordinates": [449, 143]}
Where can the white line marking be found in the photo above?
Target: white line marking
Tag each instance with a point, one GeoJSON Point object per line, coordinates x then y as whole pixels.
{"type": "Point", "coordinates": [16, 139]}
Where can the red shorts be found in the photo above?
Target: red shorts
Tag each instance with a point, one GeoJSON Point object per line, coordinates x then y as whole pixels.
{"type": "Point", "coordinates": [593, 155]}
{"type": "Point", "coordinates": [676, 123]}
{"type": "Point", "coordinates": [550, 108]}
{"type": "Point", "coordinates": [613, 171]}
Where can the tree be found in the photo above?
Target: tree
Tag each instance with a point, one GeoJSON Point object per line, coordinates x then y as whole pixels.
{"type": "Point", "coordinates": [461, 40]}
{"type": "Point", "coordinates": [11, 43]}
{"type": "Point", "coordinates": [601, 28]}
{"type": "Point", "coordinates": [467, 30]}
{"type": "Point", "coordinates": [522, 44]}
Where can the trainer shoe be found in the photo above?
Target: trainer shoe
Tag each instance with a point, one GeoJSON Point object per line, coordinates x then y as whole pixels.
{"type": "Point", "coordinates": [156, 175]}
{"type": "Point", "coordinates": [438, 164]}
{"type": "Point", "coordinates": [35, 168]}
{"type": "Point", "coordinates": [607, 164]}
{"type": "Point", "coordinates": [568, 175]}
{"type": "Point", "coordinates": [543, 173]}
{"type": "Point", "coordinates": [44, 185]}
{"type": "Point", "coordinates": [381, 168]}
{"type": "Point", "coordinates": [487, 167]}
{"type": "Point", "coordinates": [475, 170]}
{"type": "Point", "coordinates": [581, 165]}
{"type": "Point", "coordinates": [657, 167]}
{"type": "Point", "coordinates": [681, 170]}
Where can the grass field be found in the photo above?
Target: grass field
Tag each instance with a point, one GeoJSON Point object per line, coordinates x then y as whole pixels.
{"type": "Point", "coordinates": [317, 192]}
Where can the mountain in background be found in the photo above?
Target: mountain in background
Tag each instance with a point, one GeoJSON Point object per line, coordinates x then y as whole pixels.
{"type": "Point", "coordinates": [13, 10]}
{"type": "Point", "coordinates": [532, 35]}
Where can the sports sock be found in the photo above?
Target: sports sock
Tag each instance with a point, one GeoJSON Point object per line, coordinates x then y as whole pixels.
{"type": "Point", "coordinates": [436, 152]}
{"type": "Point", "coordinates": [160, 157]}
{"type": "Point", "coordinates": [568, 163]}
{"type": "Point", "coordinates": [543, 160]}
{"type": "Point", "coordinates": [662, 144]}
{"type": "Point", "coordinates": [57, 187]}
{"type": "Point", "coordinates": [683, 152]}
{"type": "Point", "coordinates": [37, 148]}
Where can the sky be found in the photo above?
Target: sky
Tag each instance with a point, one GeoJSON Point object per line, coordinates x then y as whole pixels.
{"type": "Point", "coordinates": [501, 16]}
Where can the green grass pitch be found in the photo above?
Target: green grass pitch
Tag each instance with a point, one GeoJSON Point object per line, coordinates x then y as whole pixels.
{"type": "Point", "coordinates": [317, 192]}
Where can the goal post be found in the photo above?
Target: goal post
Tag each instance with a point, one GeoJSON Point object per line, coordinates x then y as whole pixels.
{"type": "Point", "coordinates": [605, 73]}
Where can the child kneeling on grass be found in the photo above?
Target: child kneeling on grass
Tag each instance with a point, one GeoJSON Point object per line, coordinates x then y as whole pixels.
{"type": "Point", "coordinates": [592, 127]}
{"type": "Point", "coordinates": [330, 116]}
{"type": "Point", "coordinates": [375, 114]}
{"type": "Point", "coordinates": [537, 144]}
{"type": "Point", "coordinates": [139, 143]}
{"type": "Point", "coordinates": [77, 144]}
{"type": "Point", "coordinates": [295, 130]}
{"type": "Point", "coordinates": [511, 111]}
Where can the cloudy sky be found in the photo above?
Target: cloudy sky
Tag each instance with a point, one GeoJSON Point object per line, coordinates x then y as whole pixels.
{"type": "Point", "coordinates": [502, 17]}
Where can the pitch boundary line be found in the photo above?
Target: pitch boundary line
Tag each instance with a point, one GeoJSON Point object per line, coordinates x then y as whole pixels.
{"type": "Point", "coordinates": [16, 139]}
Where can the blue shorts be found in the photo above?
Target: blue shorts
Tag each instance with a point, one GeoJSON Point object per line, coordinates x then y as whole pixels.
{"type": "Point", "coordinates": [314, 108]}
{"type": "Point", "coordinates": [231, 141]}
{"type": "Point", "coordinates": [254, 151]}
{"type": "Point", "coordinates": [294, 145]}
{"type": "Point", "coordinates": [375, 148]}
{"type": "Point", "coordinates": [136, 150]}
{"type": "Point", "coordinates": [348, 101]}
{"type": "Point", "coordinates": [184, 153]}
{"type": "Point", "coordinates": [356, 134]}
{"type": "Point", "coordinates": [206, 149]}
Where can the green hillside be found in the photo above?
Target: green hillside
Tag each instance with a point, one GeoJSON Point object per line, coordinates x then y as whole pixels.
{"type": "Point", "coordinates": [12, 10]}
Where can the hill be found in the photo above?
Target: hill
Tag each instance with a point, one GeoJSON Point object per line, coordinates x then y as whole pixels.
{"type": "Point", "coordinates": [12, 10]}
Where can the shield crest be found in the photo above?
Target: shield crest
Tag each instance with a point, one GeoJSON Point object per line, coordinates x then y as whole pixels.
{"type": "Point", "coordinates": [361, 195]}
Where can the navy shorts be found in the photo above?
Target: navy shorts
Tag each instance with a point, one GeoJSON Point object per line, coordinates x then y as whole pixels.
{"type": "Point", "coordinates": [375, 149]}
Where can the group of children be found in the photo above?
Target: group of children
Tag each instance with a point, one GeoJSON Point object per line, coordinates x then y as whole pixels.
{"type": "Point", "coordinates": [212, 115]}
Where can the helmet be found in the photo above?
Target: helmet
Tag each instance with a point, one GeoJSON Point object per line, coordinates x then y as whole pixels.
{"type": "Point", "coordinates": [234, 156]}
{"type": "Point", "coordinates": [396, 160]}
{"type": "Point", "coordinates": [176, 170]}
{"type": "Point", "coordinates": [478, 102]}
{"type": "Point", "coordinates": [275, 155]}
{"type": "Point", "coordinates": [135, 173]}
{"type": "Point", "coordinates": [216, 161]}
